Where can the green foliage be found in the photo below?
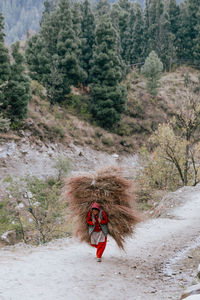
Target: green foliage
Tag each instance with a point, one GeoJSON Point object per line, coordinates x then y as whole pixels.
{"type": "Point", "coordinates": [4, 64]}
{"type": "Point", "coordinates": [53, 54]}
{"type": "Point", "coordinates": [87, 38]}
{"type": "Point", "coordinates": [4, 123]}
{"type": "Point", "coordinates": [136, 27]}
{"type": "Point", "coordinates": [108, 95]}
{"type": "Point", "coordinates": [63, 166]}
{"type": "Point", "coordinates": [107, 140]}
{"type": "Point", "coordinates": [37, 89]}
{"type": "Point", "coordinates": [188, 34]}
{"type": "Point", "coordinates": [18, 88]}
{"type": "Point", "coordinates": [152, 71]}
{"type": "Point", "coordinates": [34, 210]}
{"type": "Point", "coordinates": [59, 130]}
{"type": "Point", "coordinates": [79, 104]}
{"type": "Point", "coordinates": [124, 129]}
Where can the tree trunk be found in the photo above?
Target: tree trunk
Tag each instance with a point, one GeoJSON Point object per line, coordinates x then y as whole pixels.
{"type": "Point", "coordinates": [186, 164]}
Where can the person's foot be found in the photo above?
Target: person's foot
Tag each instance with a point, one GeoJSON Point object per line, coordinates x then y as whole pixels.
{"type": "Point", "coordinates": [98, 259]}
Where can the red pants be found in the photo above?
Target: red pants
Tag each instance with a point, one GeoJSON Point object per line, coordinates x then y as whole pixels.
{"type": "Point", "coordinates": [100, 248]}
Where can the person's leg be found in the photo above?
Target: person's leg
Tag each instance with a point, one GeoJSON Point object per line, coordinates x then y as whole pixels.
{"type": "Point", "coordinates": [100, 248]}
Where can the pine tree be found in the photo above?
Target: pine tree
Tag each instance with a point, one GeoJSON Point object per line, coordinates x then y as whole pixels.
{"type": "Point", "coordinates": [188, 29]}
{"type": "Point", "coordinates": [137, 35]}
{"type": "Point", "coordinates": [158, 33]}
{"type": "Point", "coordinates": [4, 63]}
{"type": "Point", "coordinates": [152, 70]}
{"type": "Point", "coordinates": [87, 38]}
{"type": "Point", "coordinates": [173, 12]}
{"type": "Point", "coordinates": [108, 95]}
{"type": "Point", "coordinates": [124, 32]}
{"type": "Point", "coordinates": [37, 58]}
{"type": "Point", "coordinates": [68, 49]}
{"type": "Point", "coordinates": [18, 88]}
{"type": "Point", "coordinates": [196, 50]}
{"type": "Point", "coordinates": [103, 8]}
{"type": "Point", "coordinates": [76, 18]}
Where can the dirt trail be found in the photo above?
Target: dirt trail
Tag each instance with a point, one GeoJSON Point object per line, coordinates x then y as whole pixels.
{"type": "Point", "coordinates": [66, 269]}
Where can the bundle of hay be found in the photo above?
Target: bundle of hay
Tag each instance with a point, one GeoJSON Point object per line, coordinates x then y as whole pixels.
{"type": "Point", "coordinates": [112, 192]}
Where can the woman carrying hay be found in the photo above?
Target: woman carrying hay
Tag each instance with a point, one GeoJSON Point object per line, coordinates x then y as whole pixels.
{"type": "Point", "coordinates": [97, 221]}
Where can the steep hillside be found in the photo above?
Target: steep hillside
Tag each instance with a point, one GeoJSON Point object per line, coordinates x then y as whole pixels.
{"type": "Point", "coordinates": [72, 124]}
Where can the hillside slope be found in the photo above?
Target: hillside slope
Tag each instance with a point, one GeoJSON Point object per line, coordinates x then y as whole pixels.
{"type": "Point", "coordinates": [73, 124]}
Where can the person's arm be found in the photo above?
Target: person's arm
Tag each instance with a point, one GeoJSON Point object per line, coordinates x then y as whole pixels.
{"type": "Point", "coordinates": [104, 218]}
{"type": "Point", "coordinates": [89, 219]}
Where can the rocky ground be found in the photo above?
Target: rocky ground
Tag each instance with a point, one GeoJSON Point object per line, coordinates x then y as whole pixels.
{"type": "Point", "coordinates": [160, 261]}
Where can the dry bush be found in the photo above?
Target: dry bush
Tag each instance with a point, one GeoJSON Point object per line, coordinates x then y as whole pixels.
{"type": "Point", "coordinates": [112, 192]}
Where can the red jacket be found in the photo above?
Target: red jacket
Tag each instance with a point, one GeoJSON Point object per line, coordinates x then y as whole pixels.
{"type": "Point", "coordinates": [97, 226]}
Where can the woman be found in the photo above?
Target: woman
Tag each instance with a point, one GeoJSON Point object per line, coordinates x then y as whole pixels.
{"type": "Point", "coordinates": [97, 221]}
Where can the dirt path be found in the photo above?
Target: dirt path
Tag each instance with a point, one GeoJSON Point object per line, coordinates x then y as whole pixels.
{"type": "Point", "coordinates": [67, 269]}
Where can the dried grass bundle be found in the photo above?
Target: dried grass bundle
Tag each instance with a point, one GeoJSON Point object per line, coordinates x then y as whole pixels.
{"type": "Point", "coordinates": [112, 192]}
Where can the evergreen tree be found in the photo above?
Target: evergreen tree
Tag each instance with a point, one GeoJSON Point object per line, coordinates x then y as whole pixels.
{"type": "Point", "coordinates": [173, 12]}
{"type": "Point", "coordinates": [152, 70]}
{"type": "Point", "coordinates": [115, 17]}
{"type": "Point", "coordinates": [37, 58]}
{"type": "Point", "coordinates": [196, 50]}
{"type": "Point", "coordinates": [103, 8]}
{"type": "Point", "coordinates": [49, 7]}
{"type": "Point", "coordinates": [4, 63]}
{"type": "Point", "coordinates": [188, 29]}
{"type": "Point", "coordinates": [137, 35]}
{"type": "Point", "coordinates": [68, 49]}
{"type": "Point", "coordinates": [87, 38]}
{"type": "Point", "coordinates": [18, 88]}
{"type": "Point", "coordinates": [76, 18]}
{"type": "Point", "coordinates": [108, 95]}
{"type": "Point", "coordinates": [124, 30]}
{"type": "Point", "coordinates": [158, 34]}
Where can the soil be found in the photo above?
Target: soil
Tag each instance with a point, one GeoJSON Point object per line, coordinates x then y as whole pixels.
{"type": "Point", "coordinates": [160, 261]}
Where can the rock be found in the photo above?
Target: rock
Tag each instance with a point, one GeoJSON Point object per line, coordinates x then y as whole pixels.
{"type": "Point", "coordinates": [198, 274]}
{"type": "Point", "coordinates": [115, 155]}
{"type": "Point", "coordinates": [29, 195]}
{"type": "Point", "coordinates": [20, 205]}
{"type": "Point", "coordinates": [9, 237]}
{"type": "Point", "coordinates": [192, 293]}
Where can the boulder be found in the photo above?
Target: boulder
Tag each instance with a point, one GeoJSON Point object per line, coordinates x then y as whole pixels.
{"type": "Point", "coordinates": [9, 237]}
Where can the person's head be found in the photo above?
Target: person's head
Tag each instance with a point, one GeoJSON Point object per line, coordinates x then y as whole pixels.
{"type": "Point", "coordinates": [95, 211]}
{"type": "Point", "coordinates": [95, 208]}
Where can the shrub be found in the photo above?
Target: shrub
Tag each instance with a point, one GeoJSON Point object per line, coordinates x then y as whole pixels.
{"type": "Point", "coordinates": [107, 140]}
{"type": "Point", "coordinates": [4, 123]}
{"type": "Point", "coordinates": [124, 129]}
{"type": "Point", "coordinates": [59, 130]}
{"type": "Point", "coordinates": [38, 89]}
{"type": "Point", "coordinates": [152, 70]}
{"type": "Point", "coordinates": [63, 166]}
{"type": "Point", "coordinates": [34, 209]}
{"type": "Point", "coordinates": [79, 104]}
